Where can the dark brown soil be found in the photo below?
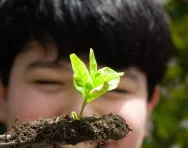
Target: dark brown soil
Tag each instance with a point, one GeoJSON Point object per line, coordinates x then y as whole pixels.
{"type": "Point", "coordinates": [66, 130]}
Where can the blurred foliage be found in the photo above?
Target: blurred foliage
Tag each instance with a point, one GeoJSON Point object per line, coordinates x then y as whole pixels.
{"type": "Point", "coordinates": [169, 125]}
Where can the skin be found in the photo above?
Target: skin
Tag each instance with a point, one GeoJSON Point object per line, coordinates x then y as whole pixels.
{"type": "Point", "coordinates": [26, 97]}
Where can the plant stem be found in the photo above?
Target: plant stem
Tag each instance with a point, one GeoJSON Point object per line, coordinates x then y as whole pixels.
{"type": "Point", "coordinates": [83, 106]}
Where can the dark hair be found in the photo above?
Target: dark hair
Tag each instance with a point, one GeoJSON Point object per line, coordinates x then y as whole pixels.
{"type": "Point", "coordinates": [122, 33]}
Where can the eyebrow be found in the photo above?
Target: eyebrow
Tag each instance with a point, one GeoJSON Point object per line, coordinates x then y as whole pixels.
{"type": "Point", "coordinates": [50, 65]}
{"type": "Point", "coordinates": [131, 75]}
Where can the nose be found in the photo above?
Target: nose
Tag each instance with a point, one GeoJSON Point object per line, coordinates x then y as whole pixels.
{"type": "Point", "coordinates": [88, 110]}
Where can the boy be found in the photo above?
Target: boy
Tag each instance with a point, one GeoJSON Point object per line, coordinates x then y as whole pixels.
{"type": "Point", "coordinates": [37, 37]}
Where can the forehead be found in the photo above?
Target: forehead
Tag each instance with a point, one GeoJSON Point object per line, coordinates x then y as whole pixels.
{"type": "Point", "coordinates": [36, 55]}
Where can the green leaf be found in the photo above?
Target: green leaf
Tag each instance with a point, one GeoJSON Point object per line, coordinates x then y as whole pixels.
{"type": "Point", "coordinates": [79, 85]}
{"type": "Point", "coordinates": [82, 79]}
{"type": "Point", "coordinates": [107, 74]}
{"type": "Point", "coordinates": [80, 69]}
{"type": "Point", "coordinates": [96, 92]}
{"type": "Point", "coordinates": [75, 116]}
{"type": "Point", "coordinates": [113, 83]}
{"type": "Point", "coordinates": [92, 64]}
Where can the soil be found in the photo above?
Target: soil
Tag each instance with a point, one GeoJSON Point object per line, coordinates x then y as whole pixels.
{"type": "Point", "coordinates": [66, 130]}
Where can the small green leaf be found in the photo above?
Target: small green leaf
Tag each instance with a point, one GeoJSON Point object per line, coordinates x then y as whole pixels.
{"type": "Point", "coordinates": [81, 74]}
{"type": "Point", "coordinates": [95, 93]}
{"type": "Point", "coordinates": [75, 116]}
{"type": "Point", "coordinates": [80, 68]}
{"type": "Point", "coordinates": [109, 75]}
{"type": "Point", "coordinates": [79, 85]}
{"type": "Point", "coordinates": [92, 64]}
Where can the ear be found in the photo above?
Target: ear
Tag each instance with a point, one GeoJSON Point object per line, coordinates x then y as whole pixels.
{"type": "Point", "coordinates": [2, 103]}
{"type": "Point", "coordinates": [153, 100]}
{"type": "Point", "coordinates": [151, 105]}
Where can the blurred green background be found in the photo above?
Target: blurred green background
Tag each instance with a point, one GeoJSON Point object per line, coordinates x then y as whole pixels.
{"type": "Point", "coordinates": [168, 127]}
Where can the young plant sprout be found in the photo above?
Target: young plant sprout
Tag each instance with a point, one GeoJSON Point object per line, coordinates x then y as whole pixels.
{"type": "Point", "coordinates": [92, 83]}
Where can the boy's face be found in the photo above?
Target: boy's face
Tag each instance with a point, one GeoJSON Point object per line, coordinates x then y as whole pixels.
{"type": "Point", "coordinates": [38, 88]}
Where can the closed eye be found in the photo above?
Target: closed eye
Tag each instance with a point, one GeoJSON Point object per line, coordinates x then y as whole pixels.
{"type": "Point", "coordinates": [122, 91]}
{"type": "Point", "coordinates": [48, 82]}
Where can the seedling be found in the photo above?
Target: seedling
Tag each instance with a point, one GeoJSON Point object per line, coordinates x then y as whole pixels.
{"type": "Point", "coordinates": [92, 83]}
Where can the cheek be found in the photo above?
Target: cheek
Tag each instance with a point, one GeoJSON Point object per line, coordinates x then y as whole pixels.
{"type": "Point", "coordinates": [33, 104]}
{"type": "Point", "coordinates": [135, 113]}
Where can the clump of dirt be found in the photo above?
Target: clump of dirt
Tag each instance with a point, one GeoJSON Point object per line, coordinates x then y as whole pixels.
{"type": "Point", "coordinates": [66, 130]}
